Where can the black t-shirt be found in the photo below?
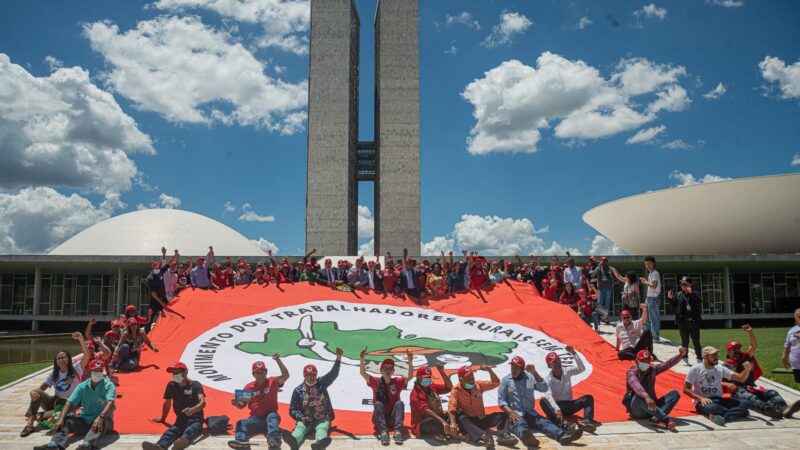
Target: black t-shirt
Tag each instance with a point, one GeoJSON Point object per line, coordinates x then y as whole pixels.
{"type": "Point", "coordinates": [750, 381]}
{"type": "Point", "coordinates": [184, 397]}
{"type": "Point", "coordinates": [155, 283]}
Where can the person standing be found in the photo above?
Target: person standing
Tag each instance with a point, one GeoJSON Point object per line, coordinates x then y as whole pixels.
{"type": "Point", "coordinates": [641, 400]}
{"type": "Point", "coordinates": [688, 308]}
{"type": "Point", "coordinates": [560, 403]}
{"type": "Point", "coordinates": [704, 386]}
{"type": "Point", "coordinates": [263, 406]}
{"type": "Point", "coordinates": [573, 274]}
{"type": "Point", "coordinates": [605, 283]}
{"type": "Point", "coordinates": [187, 399]}
{"type": "Point", "coordinates": [791, 348]}
{"type": "Point", "coordinates": [653, 298]}
{"type": "Point", "coordinates": [198, 275]}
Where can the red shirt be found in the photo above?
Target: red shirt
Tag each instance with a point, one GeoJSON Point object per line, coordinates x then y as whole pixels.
{"type": "Point", "coordinates": [220, 280]}
{"type": "Point", "coordinates": [265, 397]}
{"type": "Point", "coordinates": [390, 278]}
{"type": "Point", "coordinates": [477, 276]}
{"type": "Point", "coordinates": [420, 402]}
{"type": "Point", "coordinates": [586, 307]}
{"type": "Point", "coordinates": [571, 300]}
{"type": "Point", "coordinates": [550, 291]}
{"type": "Point", "coordinates": [394, 389]}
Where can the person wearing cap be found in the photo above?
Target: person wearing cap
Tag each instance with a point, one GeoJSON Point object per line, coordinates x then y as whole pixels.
{"type": "Point", "coordinates": [641, 400]}
{"type": "Point", "coordinates": [766, 401]}
{"type": "Point", "coordinates": [263, 406]}
{"type": "Point", "coordinates": [559, 403]}
{"type": "Point", "coordinates": [311, 407]}
{"type": "Point", "coordinates": [791, 348]}
{"type": "Point", "coordinates": [187, 399]}
{"type": "Point", "coordinates": [96, 395]}
{"type": "Point", "coordinates": [409, 278]}
{"type": "Point", "coordinates": [631, 335]}
{"type": "Point", "coordinates": [170, 275]}
{"type": "Point", "coordinates": [386, 389]}
{"type": "Point", "coordinates": [704, 386]}
{"type": "Point", "coordinates": [127, 354]}
{"type": "Point", "coordinates": [517, 398]}
{"type": "Point", "coordinates": [586, 308]}
{"type": "Point", "coordinates": [653, 297]}
{"type": "Point", "coordinates": [478, 275]}
{"type": "Point", "coordinates": [605, 283]}
{"type": "Point", "coordinates": [465, 408]}
{"type": "Point", "coordinates": [327, 275]}
{"type": "Point", "coordinates": [199, 273]}
{"type": "Point", "coordinates": [373, 277]}
{"type": "Point", "coordinates": [158, 295]}
{"type": "Point", "coordinates": [391, 277]}
{"type": "Point", "coordinates": [427, 416]}
{"type": "Point", "coordinates": [688, 308]}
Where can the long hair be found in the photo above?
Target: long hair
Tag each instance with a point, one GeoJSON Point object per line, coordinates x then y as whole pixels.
{"type": "Point", "coordinates": [70, 370]}
{"type": "Point", "coordinates": [631, 276]}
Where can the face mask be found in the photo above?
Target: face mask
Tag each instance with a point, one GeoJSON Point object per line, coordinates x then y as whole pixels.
{"type": "Point", "coordinates": [97, 376]}
{"type": "Point", "coordinates": [643, 366]}
{"type": "Point", "coordinates": [177, 377]}
{"type": "Point", "coordinates": [156, 271]}
{"type": "Point", "coordinates": [469, 385]}
{"type": "Point", "coordinates": [426, 382]}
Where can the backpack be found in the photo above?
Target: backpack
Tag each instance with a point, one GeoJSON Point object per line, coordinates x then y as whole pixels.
{"type": "Point", "coordinates": [218, 425]}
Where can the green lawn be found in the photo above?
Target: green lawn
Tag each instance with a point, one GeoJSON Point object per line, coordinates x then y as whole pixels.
{"type": "Point", "coordinates": [11, 372]}
{"type": "Point", "coordinates": [770, 345]}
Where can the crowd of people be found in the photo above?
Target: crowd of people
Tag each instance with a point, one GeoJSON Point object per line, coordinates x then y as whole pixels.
{"type": "Point", "coordinates": [721, 392]}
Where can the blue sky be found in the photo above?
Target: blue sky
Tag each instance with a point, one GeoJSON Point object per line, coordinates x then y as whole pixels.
{"type": "Point", "coordinates": [532, 112]}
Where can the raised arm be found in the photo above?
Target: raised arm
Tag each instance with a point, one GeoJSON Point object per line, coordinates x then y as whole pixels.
{"type": "Point", "coordinates": [89, 326]}
{"type": "Point", "coordinates": [492, 375]}
{"type": "Point", "coordinates": [361, 368]}
{"type": "Point", "coordinates": [284, 371]}
{"type": "Point", "coordinates": [308, 255]}
{"type": "Point", "coordinates": [618, 276]}
{"type": "Point", "coordinates": [741, 377]}
{"type": "Point", "coordinates": [405, 257]}
{"type": "Point", "coordinates": [410, 362]}
{"type": "Point", "coordinates": [753, 345]}
{"type": "Point", "coordinates": [84, 349]}
{"type": "Point", "coordinates": [578, 361]}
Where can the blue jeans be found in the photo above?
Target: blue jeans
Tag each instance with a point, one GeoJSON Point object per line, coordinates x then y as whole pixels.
{"type": "Point", "coordinates": [653, 316]}
{"type": "Point", "coordinates": [594, 319]}
{"type": "Point", "coordinates": [258, 424]}
{"type": "Point", "coordinates": [729, 408]}
{"type": "Point", "coordinates": [74, 425]}
{"type": "Point", "coordinates": [188, 428]}
{"type": "Point", "coordinates": [380, 416]}
{"type": "Point", "coordinates": [605, 299]}
{"type": "Point", "coordinates": [127, 362]}
{"type": "Point", "coordinates": [536, 422]}
{"type": "Point", "coordinates": [664, 406]}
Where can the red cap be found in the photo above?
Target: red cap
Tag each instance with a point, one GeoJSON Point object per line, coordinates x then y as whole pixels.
{"type": "Point", "coordinates": [464, 371]}
{"type": "Point", "coordinates": [217, 266]}
{"type": "Point", "coordinates": [625, 313]}
{"type": "Point", "coordinates": [389, 261]}
{"type": "Point", "coordinates": [550, 358]}
{"type": "Point", "coordinates": [644, 355]}
{"type": "Point", "coordinates": [130, 308]}
{"type": "Point", "coordinates": [115, 323]}
{"type": "Point", "coordinates": [110, 334]}
{"type": "Point", "coordinates": [387, 362]}
{"type": "Point", "coordinates": [155, 265]}
{"type": "Point", "coordinates": [733, 344]}
{"type": "Point", "coordinates": [328, 260]}
{"type": "Point", "coordinates": [310, 369]}
{"type": "Point", "coordinates": [201, 258]}
{"type": "Point", "coordinates": [424, 372]}
{"type": "Point", "coordinates": [259, 365]}
{"type": "Point", "coordinates": [90, 344]}
{"type": "Point", "coordinates": [242, 265]}
{"type": "Point", "coordinates": [177, 365]}
{"type": "Point", "coordinates": [96, 364]}
{"type": "Point", "coordinates": [604, 258]}
{"type": "Point", "coordinates": [518, 361]}
{"type": "Point", "coordinates": [591, 258]}
{"type": "Point", "coordinates": [132, 321]}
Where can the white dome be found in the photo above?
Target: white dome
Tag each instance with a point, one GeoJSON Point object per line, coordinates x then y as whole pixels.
{"type": "Point", "coordinates": [142, 233]}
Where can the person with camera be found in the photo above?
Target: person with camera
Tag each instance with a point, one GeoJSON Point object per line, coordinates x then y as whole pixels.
{"type": "Point", "coordinates": [688, 310]}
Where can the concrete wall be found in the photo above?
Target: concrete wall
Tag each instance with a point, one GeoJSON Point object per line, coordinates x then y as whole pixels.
{"type": "Point", "coordinates": [331, 187]}
{"type": "Point", "coordinates": [397, 186]}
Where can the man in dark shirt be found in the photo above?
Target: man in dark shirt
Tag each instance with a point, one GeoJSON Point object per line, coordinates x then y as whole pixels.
{"type": "Point", "coordinates": [187, 400]}
{"type": "Point", "coordinates": [688, 309]}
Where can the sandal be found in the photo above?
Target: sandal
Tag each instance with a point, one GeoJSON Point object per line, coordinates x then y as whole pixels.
{"type": "Point", "coordinates": [27, 431]}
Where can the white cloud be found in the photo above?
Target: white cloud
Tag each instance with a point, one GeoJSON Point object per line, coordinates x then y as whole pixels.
{"type": "Point", "coordinates": [716, 93]}
{"type": "Point", "coordinates": [727, 3]}
{"type": "Point", "coordinates": [677, 144]}
{"type": "Point", "coordinates": [34, 220]}
{"type": "Point", "coordinates": [438, 245]}
{"type": "Point", "coordinates": [646, 136]}
{"type": "Point", "coordinates": [602, 246]}
{"type": "Point", "coordinates": [265, 245]}
{"type": "Point", "coordinates": [62, 130]}
{"type": "Point", "coordinates": [228, 207]}
{"type": "Point", "coordinates": [248, 215]}
{"type": "Point", "coordinates": [687, 179]}
{"type": "Point", "coordinates": [514, 101]}
{"type": "Point", "coordinates": [786, 77]}
{"type": "Point", "coordinates": [189, 72]}
{"type": "Point", "coordinates": [285, 22]}
{"type": "Point", "coordinates": [511, 24]}
{"type": "Point", "coordinates": [53, 63]}
{"type": "Point", "coordinates": [796, 159]}
{"type": "Point", "coordinates": [463, 18]}
{"type": "Point", "coordinates": [366, 223]}
{"type": "Point", "coordinates": [367, 248]}
{"type": "Point", "coordinates": [584, 22]}
{"type": "Point", "coordinates": [164, 201]}
{"type": "Point", "coordinates": [453, 50]}
{"type": "Point", "coordinates": [651, 11]}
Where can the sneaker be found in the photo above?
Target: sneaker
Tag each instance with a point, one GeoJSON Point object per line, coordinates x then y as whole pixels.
{"type": "Point", "coordinates": [772, 411]}
{"type": "Point", "coordinates": [570, 436]}
{"type": "Point", "coordinates": [686, 360]}
{"type": "Point", "coordinates": [399, 438]}
{"type": "Point", "coordinates": [717, 419]}
{"type": "Point", "coordinates": [84, 446]}
{"type": "Point", "coordinates": [506, 439]}
{"type": "Point", "coordinates": [671, 426]}
{"type": "Point", "coordinates": [529, 439]}
{"type": "Point", "coordinates": [150, 446]}
{"type": "Point", "coordinates": [487, 441]}
{"type": "Point", "coordinates": [271, 443]}
{"type": "Point", "coordinates": [588, 426]}
{"type": "Point", "coordinates": [321, 444]}
{"type": "Point", "coordinates": [791, 409]}
{"type": "Point", "coordinates": [289, 439]}
{"type": "Point", "coordinates": [181, 443]}
{"type": "Point", "coordinates": [385, 439]}
{"type": "Point", "coordinates": [238, 444]}
{"type": "Point", "coordinates": [657, 423]}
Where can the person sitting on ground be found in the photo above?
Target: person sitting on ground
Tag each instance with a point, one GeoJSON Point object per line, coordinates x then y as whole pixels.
{"type": "Point", "coordinates": [311, 407]}
{"type": "Point", "coordinates": [704, 386]}
{"type": "Point", "coordinates": [517, 398]}
{"type": "Point", "coordinates": [766, 401]}
{"type": "Point", "coordinates": [131, 312]}
{"type": "Point", "coordinates": [570, 296]}
{"type": "Point", "coordinates": [199, 274]}
{"type": "Point", "coordinates": [64, 378]}
{"type": "Point", "coordinates": [96, 395]}
{"type": "Point", "coordinates": [791, 348]}
{"type": "Point", "coordinates": [386, 390]}
{"type": "Point", "coordinates": [465, 408]}
{"type": "Point", "coordinates": [641, 400]}
{"type": "Point", "coordinates": [586, 309]}
{"type": "Point", "coordinates": [427, 416]}
{"type": "Point", "coordinates": [631, 337]}
{"type": "Point", "coordinates": [263, 405]}
{"type": "Point", "coordinates": [127, 354]}
{"type": "Point", "coordinates": [187, 399]}
{"type": "Point", "coordinates": [559, 404]}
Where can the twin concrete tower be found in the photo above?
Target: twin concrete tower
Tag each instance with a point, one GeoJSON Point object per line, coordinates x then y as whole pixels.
{"type": "Point", "coordinates": [337, 160]}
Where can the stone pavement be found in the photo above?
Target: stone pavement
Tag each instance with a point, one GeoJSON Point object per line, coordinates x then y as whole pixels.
{"type": "Point", "coordinates": [695, 432]}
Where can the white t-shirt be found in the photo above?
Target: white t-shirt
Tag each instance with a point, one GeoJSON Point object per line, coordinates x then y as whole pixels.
{"type": "Point", "coordinates": [708, 382]}
{"type": "Point", "coordinates": [793, 344]}
{"type": "Point", "coordinates": [62, 388]}
{"type": "Point", "coordinates": [654, 277]}
{"type": "Point", "coordinates": [629, 337]}
{"type": "Point", "coordinates": [562, 389]}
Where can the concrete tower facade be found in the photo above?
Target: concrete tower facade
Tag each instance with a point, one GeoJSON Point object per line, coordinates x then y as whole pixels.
{"type": "Point", "coordinates": [337, 161]}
